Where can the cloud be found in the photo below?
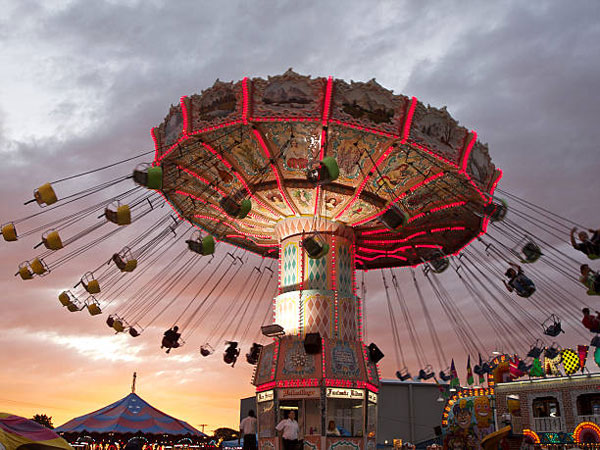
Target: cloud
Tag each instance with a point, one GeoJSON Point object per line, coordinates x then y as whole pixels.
{"type": "Point", "coordinates": [82, 84]}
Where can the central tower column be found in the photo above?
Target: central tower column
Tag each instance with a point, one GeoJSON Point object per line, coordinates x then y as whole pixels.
{"type": "Point", "coordinates": [317, 295]}
{"type": "Point", "coordinates": [329, 380]}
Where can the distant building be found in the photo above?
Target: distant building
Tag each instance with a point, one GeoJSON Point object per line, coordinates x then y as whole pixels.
{"type": "Point", "coordinates": [407, 410]}
{"type": "Point", "coordinates": [552, 406]}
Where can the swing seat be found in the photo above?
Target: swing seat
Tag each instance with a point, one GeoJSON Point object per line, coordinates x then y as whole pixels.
{"type": "Point", "coordinates": [118, 326]}
{"type": "Point", "coordinates": [45, 195]}
{"type": "Point", "coordinates": [534, 352]}
{"type": "Point", "coordinates": [326, 172]}
{"type": "Point", "coordinates": [64, 298]}
{"type": "Point", "coordinates": [592, 292]}
{"type": "Point", "coordinates": [38, 266]}
{"type": "Point", "coordinates": [444, 376]}
{"type": "Point", "coordinates": [24, 272]}
{"type": "Point", "coordinates": [9, 232]}
{"type": "Point", "coordinates": [524, 367]}
{"type": "Point", "coordinates": [485, 368]}
{"type": "Point", "coordinates": [595, 341]}
{"type": "Point", "coordinates": [124, 265]}
{"type": "Point", "coordinates": [439, 264]}
{"type": "Point", "coordinates": [527, 290]}
{"type": "Point", "coordinates": [237, 210]}
{"type": "Point", "coordinates": [496, 212]}
{"type": "Point", "coordinates": [553, 330]}
{"type": "Point", "coordinates": [552, 352]}
{"type": "Point", "coordinates": [402, 375]}
{"type": "Point", "coordinates": [231, 353]}
{"type": "Point", "coordinates": [94, 309]}
{"type": "Point", "coordinates": [168, 343]}
{"type": "Point", "coordinates": [314, 248]}
{"type": "Point", "coordinates": [91, 286]}
{"type": "Point", "coordinates": [149, 176]}
{"type": "Point", "coordinates": [532, 253]}
{"type": "Point", "coordinates": [72, 307]}
{"type": "Point", "coordinates": [590, 256]}
{"type": "Point", "coordinates": [133, 332]}
{"type": "Point", "coordinates": [253, 355]}
{"type": "Point", "coordinates": [52, 241]}
{"type": "Point", "coordinates": [394, 219]}
{"type": "Point", "coordinates": [120, 216]}
{"type": "Point", "coordinates": [203, 246]}
{"type": "Point", "coordinates": [426, 374]}
{"type": "Point", "coordinates": [206, 350]}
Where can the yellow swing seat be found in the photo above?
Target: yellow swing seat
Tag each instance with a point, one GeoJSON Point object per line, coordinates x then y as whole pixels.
{"type": "Point", "coordinates": [124, 260]}
{"type": "Point", "coordinates": [89, 283]}
{"type": "Point", "coordinates": [64, 298]}
{"type": "Point", "coordinates": [122, 215]}
{"type": "Point", "coordinates": [118, 326]}
{"type": "Point", "coordinates": [93, 308]}
{"type": "Point", "coordinates": [45, 195]}
{"type": "Point", "coordinates": [9, 232]}
{"type": "Point", "coordinates": [38, 266]}
{"type": "Point", "coordinates": [72, 307]}
{"type": "Point", "coordinates": [93, 287]}
{"type": "Point", "coordinates": [24, 271]}
{"type": "Point", "coordinates": [52, 241]}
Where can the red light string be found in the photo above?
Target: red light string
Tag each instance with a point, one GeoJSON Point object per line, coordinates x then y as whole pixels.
{"type": "Point", "coordinates": [267, 153]}
{"type": "Point", "coordinates": [465, 156]}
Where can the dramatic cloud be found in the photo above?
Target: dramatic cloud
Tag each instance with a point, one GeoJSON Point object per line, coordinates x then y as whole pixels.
{"type": "Point", "coordinates": [83, 82]}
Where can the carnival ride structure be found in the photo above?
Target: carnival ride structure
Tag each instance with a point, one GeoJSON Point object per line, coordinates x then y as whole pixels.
{"type": "Point", "coordinates": [326, 178]}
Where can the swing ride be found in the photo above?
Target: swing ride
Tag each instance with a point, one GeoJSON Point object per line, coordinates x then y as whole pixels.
{"type": "Point", "coordinates": [326, 177]}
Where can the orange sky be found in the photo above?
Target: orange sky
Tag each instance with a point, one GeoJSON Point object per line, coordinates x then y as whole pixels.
{"type": "Point", "coordinates": [82, 83]}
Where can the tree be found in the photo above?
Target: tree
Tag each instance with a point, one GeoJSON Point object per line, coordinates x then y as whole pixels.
{"type": "Point", "coordinates": [44, 420]}
{"type": "Point", "coordinates": [227, 434]}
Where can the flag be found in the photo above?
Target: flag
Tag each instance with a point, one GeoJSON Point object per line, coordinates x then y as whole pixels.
{"type": "Point", "coordinates": [441, 388]}
{"type": "Point", "coordinates": [454, 382]}
{"type": "Point", "coordinates": [470, 379]}
{"type": "Point", "coordinates": [583, 353]}
{"type": "Point", "coordinates": [481, 377]}
{"type": "Point", "coordinates": [536, 368]}
{"type": "Point", "coordinates": [514, 369]}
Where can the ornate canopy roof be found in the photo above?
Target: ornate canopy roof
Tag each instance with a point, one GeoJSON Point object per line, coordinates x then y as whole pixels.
{"type": "Point", "coordinates": [254, 138]}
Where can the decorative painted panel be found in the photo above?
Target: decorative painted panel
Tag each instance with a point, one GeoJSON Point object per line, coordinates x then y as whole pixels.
{"type": "Point", "coordinates": [296, 363]}
{"type": "Point", "coordinates": [290, 275]}
{"type": "Point", "coordinates": [318, 312]}
{"type": "Point", "coordinates": [347, 318]}
{"type": "Point", "coordinates": [287, 313]}
{"type": "Point", "coordinates": [316, 273]}
{"type": "Point", "coordinates": [344, 269]}
{"type": "Point", "coordinates": [343, 360]}
{"type": "Point", "coordinates": [265, 365]}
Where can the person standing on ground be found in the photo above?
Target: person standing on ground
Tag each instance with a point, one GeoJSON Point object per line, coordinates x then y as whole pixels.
{"type": "Point", "coordinates": [248, 431]}
{"type": "Point", "coordinates": [289, 428]}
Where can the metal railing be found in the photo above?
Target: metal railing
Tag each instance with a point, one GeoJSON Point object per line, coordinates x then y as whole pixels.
{"type": "Point", "coordinates": [546, 424]}
{"type": "Point", "coordinates": [593, 418]}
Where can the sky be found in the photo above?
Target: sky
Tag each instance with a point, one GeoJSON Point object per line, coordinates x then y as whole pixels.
{"type": "Point", "coordinates": [82, 83]}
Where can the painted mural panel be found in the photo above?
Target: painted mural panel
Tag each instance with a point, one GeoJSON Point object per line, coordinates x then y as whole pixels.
{"type": "Point", "coordinates": [296, 363]}
{"type": "Point", "coordinates": [297, 142]}
{"type": "Point", "coordinates": [470, 419]}
{"type": "Point", "coordinates": [288, 95]}
{"type": "Point", "coordinates": [438, 131]}
{"type": "Point", "coordinates": [318, 313]}
{"type": "Point", "coordinates": [369, 104]}
{"type": "Point", "coordinates": [351, 149]}
{"type": "Point", "coordinates": [265, 365]}
{"type": "Point", "coordinates": [218, 104]}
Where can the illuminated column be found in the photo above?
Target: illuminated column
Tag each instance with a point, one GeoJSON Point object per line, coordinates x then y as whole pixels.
{"type": "Point", "coordinates": [317, 295]}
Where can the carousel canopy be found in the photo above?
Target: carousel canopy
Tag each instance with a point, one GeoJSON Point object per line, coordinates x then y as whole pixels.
{"type": "Point", "coordinates": [129, 415]}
